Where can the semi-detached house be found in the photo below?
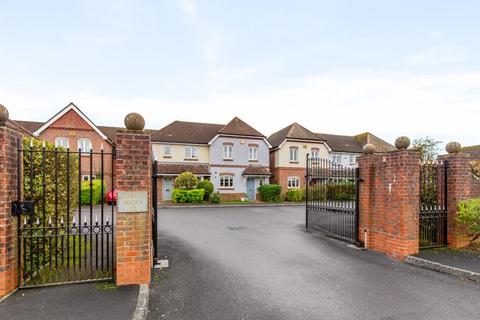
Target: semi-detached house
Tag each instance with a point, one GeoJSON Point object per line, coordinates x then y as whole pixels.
{"type": "Point", "coordinates": [234, 157]}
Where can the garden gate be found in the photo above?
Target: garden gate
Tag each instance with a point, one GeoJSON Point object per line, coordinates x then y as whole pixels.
{"type": "Point", "coordinates": [433, 204]}
{"type": "Point", "coordinates": [332, 199]}
{"type": "Point", "coordinates": [65, 228]}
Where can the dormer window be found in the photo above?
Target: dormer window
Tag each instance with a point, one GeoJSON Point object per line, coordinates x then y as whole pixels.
{"type": "Point", "coordinates": [228, 151]}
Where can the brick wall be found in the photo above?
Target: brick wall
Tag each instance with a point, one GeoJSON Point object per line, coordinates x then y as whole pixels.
{"type": "Point", "coordinates": [133, 230]}
{"type": "Point", "coordinates": [8, 224]}
{"type": "Point", "coordinates": [389, 202]}
{"type": "Point", "coordinates": [475, 187]}
{"type": "Point", "coordinates": [281, 174]}
{"type": "Point", "coordinates": [459, 188]}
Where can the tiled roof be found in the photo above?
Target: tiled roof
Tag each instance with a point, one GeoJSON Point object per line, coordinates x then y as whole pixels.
{"type": "Point", "coordinates": [202, 133]}
{"type": "Point", "coordinates": [253, 170]}
{"type": "Point", "coordinates": [238, 127]}
{"type": "Point", "coordinates": [177, 168]}
{"type": "Point", "coordinates": [473, 151]}
{"type": "Point", "coordinates": [187, 132]}
{"type": "Point", "coordinates": [30, 126]}
{"type": "Point", "coordinates": [382, 145]}
{"type": "Point", "coordinates": [293, 131]}
{"type": "Point", "coordinates": [110, 132]}
{"type": "Point", "coordinates": [339, 143]}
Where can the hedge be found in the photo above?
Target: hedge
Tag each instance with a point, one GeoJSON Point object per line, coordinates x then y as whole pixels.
{"type": "Point", "coordinates": [186, 180]}
{"type": "Point", "coordinates": [96, 192]}
{"type": "Point", "coordinates": [333, 191]}
{"type": "Point", "coordinates": [215, 198]}
{"type": "Point", "coordinates": [34, 191]}
{"type": "Point", "coordinates": [270, 192]}
{"type": "Point", "coordinates": [295, 195]}
{"type": "Point", "coordinates": [469, 216]}
{"type": "Point", "coordinates": [188, 196]}
{"type": "Point", "coordinates": [208, 187]}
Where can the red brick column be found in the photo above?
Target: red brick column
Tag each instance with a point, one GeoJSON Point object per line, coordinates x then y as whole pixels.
{"type": "Point", "coordinates": [459, 179]}
{"type": "Point", "coordinates": [9, 138]}
{"type": "Point", "coordinates": [133, 223]}
{"type": "Point", "coordinates": [389, 202]}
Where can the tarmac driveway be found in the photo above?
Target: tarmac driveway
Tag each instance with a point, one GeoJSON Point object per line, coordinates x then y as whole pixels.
{"type": "Point", "coordinates": [260, 263]}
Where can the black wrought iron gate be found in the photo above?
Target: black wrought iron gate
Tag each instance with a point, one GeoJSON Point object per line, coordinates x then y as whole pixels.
{"type": "Point", "coordinates": [433, 204]}
{"type": "Point", "coordinates": [65, 227]}
{"type": "Point", "coordinates": [332, 196]}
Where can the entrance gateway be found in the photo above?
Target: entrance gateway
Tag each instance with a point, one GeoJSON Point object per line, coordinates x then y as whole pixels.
{"type": "Point", "coordinates": [332, 199]}
{"type": "Point", "coordinates": [65, 229]}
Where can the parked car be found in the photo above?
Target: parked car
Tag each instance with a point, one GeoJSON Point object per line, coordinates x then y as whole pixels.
{"type": "Point", "coordinates": [111, 197]}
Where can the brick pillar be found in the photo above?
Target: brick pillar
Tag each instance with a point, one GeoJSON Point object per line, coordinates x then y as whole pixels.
{"type": "Point", "coordinates": [9, 138]}
{"type": "Point", "coordinates": [459, 178]}
{"type": "Point", "coordinates": [389, 202]}
{"type": "Point", "coordinates": [133, 223]}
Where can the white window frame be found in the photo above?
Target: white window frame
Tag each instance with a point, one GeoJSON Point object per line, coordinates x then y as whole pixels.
{"type": "Point", "coordinates": [352, 159]}
{"type": "Point", "coordinates": [191, 152]}
{"type": "Point", "coordinates": [228, 151]}
{"type": "Point", "coordinates": [227, 181]}
{"type": "Point", "coordinates": [84, 144]}
{"type": "Point", "coordinates": [167, 150]}
{"type": "Point", "coordinates": [252, 153]}
{"type": "Point", "coordinates": [315, 153]}
{"type": "Point", "coordinates": [293, 182]}
{"type": "Point", "coordinates": [60, 142]}
{"type": "Point", "coordinates": [293, 154]}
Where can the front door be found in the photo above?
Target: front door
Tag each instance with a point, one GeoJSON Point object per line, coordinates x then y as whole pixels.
{"type": "Point", "coordinates": [167, 189]}
{"type": "Point", "coordinates": [251, 189]}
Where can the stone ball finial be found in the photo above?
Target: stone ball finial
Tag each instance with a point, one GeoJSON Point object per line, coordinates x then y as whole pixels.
{"type": "Point", "coordinates": [134, 121]}
{"type": "Point", "coordinates": [369, 148]}
{"type": "Point", "coordinates": [453, 147]}
{"type": "Point", "coordinates": [402, 143]}
{"type": "Point", "coordinates": [3, 114]}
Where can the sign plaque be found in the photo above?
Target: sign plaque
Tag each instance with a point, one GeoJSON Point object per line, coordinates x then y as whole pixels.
{"type": "Point", "coordinates": [132, 201]}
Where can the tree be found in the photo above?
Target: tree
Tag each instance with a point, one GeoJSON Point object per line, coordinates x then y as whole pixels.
{"type": "Point", "coordinates": [428, 147]}
{"type": "Point", "coordinates": [476, 168]}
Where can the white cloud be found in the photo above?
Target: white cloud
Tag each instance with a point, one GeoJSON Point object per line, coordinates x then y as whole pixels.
{"type": "Point", "coordinates": [442, 105]}
{"type": "Point", "coordinates": [189, 6]}
{"type": "Point", "coordinates": [437, 55]}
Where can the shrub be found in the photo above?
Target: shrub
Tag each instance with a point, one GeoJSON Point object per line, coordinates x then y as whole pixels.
{"type": "Point", "coordinates": [188, 196]}
{"type": "Point", "coordinates": [333, 191]}
{"type": "Point", "coordinates": [295, 195]}
{"type": "Point", "coordinates": [208, 187]}
{"type": "Point", "coordinates": [215, 198]}
{"type": "Point", "coordinates": [469, 216]}
{"type": "Point", "coordinates": [97, 195]}
{"type": "Point", "coordinates": [270, 192]}
{"type": "Point", "coordinates": [34, 191]}
{"type": "Point", "coordinates": [186, 180]}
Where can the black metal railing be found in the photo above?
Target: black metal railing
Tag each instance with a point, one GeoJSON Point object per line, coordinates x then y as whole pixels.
{"type": "Point", "coordinates": [332, 199]}
{"type": "Point", "coordinates": [69, 234]}
{"type": "Point", "coordinates": [433, 204]}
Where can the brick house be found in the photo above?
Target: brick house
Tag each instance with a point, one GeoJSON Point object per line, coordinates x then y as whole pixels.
{"type": "Point", "coordinates": [71, 128]}
{"type": "Point", "coordinates": [291, 145]}
{"type": "Point", "coordinates": [233, 156]}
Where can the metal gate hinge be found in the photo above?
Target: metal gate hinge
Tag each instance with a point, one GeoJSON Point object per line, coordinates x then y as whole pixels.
{"type": "Point", "coordinates": [23, 207]}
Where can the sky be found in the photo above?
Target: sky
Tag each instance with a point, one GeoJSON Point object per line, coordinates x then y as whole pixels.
{"type": "Point", "coordinates": [343, 67]}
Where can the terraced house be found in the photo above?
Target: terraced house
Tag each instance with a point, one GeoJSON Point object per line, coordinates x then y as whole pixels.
{"type": "Point", "coordinates": [291, 145]}
{"type": "Point", "coordinates": [235, 157]}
